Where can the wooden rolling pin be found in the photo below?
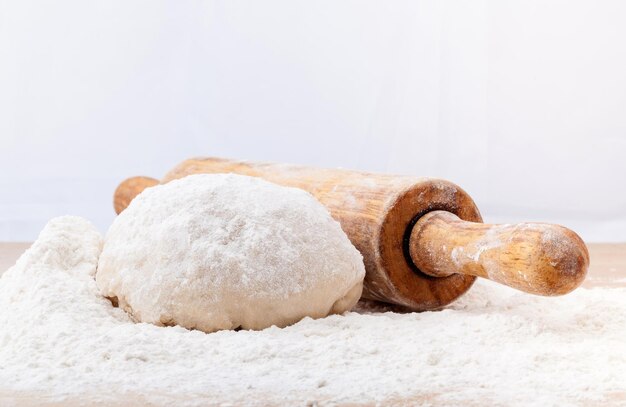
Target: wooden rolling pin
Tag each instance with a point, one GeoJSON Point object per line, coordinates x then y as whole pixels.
{"type": "Point", "coordinates": [422, 239]}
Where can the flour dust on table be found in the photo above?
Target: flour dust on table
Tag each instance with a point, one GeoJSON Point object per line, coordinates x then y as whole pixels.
{"type": "Point", "coordinates": [62, 342]}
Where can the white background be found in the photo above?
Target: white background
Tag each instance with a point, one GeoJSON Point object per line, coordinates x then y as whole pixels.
{"type": "Point", "coordinates": [522, 103]}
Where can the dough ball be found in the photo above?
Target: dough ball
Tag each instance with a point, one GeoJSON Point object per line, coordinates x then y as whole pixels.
{"type": "Point", "coordinates": [226, 251]}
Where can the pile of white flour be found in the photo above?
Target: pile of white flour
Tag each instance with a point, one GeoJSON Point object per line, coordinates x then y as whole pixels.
{"type": "Point", "coordinates": [61, 342]}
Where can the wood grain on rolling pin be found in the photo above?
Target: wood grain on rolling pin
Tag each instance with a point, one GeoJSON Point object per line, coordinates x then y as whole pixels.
{"type": "Point", "coordinates": [533, 257]}
{"type": "Point", "coordinates": [378, 213]}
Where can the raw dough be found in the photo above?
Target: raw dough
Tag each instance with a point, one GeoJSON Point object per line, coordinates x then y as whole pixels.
{"type": "Point", "coordinates": [226, 251]}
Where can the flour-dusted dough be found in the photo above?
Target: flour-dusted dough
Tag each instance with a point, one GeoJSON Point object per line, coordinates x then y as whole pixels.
{"type": "Point", "coordinates": [224, 251]}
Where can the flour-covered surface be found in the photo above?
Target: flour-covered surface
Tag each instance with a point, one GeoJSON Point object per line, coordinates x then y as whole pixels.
{"type": "Point", "coordinates": [61, 343]}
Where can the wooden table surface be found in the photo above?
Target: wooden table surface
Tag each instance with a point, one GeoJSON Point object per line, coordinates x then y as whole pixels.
{"type": "Point", "coordinates": [9, 253]}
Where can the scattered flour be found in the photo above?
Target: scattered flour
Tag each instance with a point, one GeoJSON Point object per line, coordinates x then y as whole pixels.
{"type": "Point", "coordinates": [226, 251]}
{"type": "Point", "coordinates": [62, 342]}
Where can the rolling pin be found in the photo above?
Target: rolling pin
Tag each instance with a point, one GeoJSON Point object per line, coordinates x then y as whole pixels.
{"type": "Point", "coordinates": [422, 239]}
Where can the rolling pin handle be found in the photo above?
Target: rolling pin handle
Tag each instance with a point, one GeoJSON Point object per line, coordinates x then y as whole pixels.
{"type": "Point", "coordinates": [537, 258]}
{"type": "Point", "coordinates": [129, 189]}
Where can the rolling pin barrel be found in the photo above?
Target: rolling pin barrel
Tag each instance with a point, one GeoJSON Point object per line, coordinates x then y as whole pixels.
{"type": "Point", "coordinates": [422, 240]}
